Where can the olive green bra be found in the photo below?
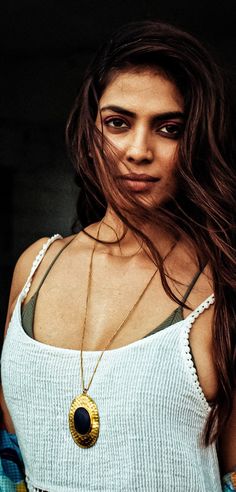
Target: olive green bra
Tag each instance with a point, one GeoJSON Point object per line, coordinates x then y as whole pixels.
{"type": "Point", "coordinates": [28, 310]}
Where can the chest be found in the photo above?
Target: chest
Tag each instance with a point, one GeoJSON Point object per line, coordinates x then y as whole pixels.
{"type": "Point", "coordinates": [119, 307]}
{"type": "Point", "coordinates": [127, 306]}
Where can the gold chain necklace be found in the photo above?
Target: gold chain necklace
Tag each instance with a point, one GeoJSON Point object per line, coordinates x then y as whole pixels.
{"type": "Point", "coordinates": [84, 419]}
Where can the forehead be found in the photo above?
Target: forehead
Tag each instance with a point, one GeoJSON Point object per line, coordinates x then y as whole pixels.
{"type": "Point", "coordinates": [145, 90]}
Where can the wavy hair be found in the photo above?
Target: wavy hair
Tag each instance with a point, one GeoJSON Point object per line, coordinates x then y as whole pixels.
{"type": "Point", "coordinates": [203, 209]}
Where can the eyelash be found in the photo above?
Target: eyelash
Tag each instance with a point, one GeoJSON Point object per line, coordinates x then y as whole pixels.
{"type": "Point", "coordinates": [166, 134]}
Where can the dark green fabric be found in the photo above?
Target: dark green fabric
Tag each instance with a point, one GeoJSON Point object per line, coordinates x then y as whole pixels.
{"type": "Point", "coordinates": [27, 315]}
{"type": "Point", "coordinates": [175, 316]}
{"type": "Point", "coordinates": [28, 310]}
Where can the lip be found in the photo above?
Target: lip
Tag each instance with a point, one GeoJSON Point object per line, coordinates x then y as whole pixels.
{"type": "Point", "coordinates": [142, 178]}
{"type": "Point", "coordinates": [139, 183]}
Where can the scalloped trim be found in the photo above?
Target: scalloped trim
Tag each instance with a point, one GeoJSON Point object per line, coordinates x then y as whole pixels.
{"type": "Point", "coordinates": [30, 486]}
{"type": "Point", "coordinates": [187, 351]}
{"type": "Point", "coordinates": [37, 262]}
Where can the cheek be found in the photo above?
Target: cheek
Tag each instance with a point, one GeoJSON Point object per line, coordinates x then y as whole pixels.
{"type": "Point", "coordinates": [170, 179]}
{"type": "Point", "coordinates": [169, 167]}
{"type": "Point", "coordinates": [168, 156]}
{"type": "Point", "coordinates": [168, 186]}
{"type": "Point", "coordinates": [169, 150]}
{"type": "Point", "coordinates": [117, 143]}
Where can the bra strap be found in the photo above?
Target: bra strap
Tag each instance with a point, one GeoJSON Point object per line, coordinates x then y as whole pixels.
{"type": "Point", "coordinates": [37, 262]}
{"type": "Point", "coordinates": [192, 283]}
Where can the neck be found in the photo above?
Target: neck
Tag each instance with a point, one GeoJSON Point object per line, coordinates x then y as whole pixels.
{"type": "Point", "coordinates": [126, 242]}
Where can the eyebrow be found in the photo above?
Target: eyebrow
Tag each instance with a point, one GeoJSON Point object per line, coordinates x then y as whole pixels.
{"type": "Point", "coordinates": [158, 117]}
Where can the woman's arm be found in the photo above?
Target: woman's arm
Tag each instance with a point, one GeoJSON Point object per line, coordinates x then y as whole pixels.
{"type": "Point", "coordinates": [20, 275]}
{"type": "Point", "coordinates": [12, 476]}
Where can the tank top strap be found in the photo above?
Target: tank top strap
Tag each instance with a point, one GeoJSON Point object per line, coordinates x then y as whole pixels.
{"type": "Point", "coordinates": [51, 265]}
{"type": "Point", "coordinates": [191, 318]}
{"type": "Point", "coordinates": [37, 262]}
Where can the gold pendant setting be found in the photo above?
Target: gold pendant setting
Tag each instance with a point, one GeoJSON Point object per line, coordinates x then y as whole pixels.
{"type": "Point", "coordinates": [84, 421]}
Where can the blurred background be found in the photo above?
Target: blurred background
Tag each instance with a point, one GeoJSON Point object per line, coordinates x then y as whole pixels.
{"type": "Point", "coordinates": [45, 46]}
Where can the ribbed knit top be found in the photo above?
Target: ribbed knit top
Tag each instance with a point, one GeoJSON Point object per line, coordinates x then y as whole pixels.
{"type": "Point", "coordinates": [151, 406]}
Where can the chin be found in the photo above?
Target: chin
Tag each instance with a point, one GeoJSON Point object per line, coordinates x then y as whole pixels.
{"type": "Point", "coordinates": [156, 202]}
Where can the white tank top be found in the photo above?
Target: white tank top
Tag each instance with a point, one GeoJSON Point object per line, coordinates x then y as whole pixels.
{"type": "Point", "coordinates": [151, 406]}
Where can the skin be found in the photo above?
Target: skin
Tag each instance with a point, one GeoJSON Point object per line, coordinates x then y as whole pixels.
{"type": "Point", "coordinates": [144, 135]}
{"type": "Point", "coordinates": [144, 144]}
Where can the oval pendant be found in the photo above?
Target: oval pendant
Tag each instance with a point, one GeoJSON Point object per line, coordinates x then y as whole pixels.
{"type": "Point", "coordinates": [84, 421]}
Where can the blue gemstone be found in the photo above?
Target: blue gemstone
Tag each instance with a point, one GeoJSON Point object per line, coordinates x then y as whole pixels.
{"type": "Point", "coordinates": [82, 420]}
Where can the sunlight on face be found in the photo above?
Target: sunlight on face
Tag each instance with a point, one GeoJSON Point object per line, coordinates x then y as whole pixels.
{"type": "Point", "coordinates": [141, 114]}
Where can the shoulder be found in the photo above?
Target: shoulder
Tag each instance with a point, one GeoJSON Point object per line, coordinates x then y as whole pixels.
{"type": "Point", "coordinates": [24, 264]}
{"type": "Point", "coordinates": [23, 267]}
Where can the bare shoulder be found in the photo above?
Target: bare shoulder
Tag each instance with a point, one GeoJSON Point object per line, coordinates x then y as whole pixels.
{"type": "Point", "coordinates": [24, 264]}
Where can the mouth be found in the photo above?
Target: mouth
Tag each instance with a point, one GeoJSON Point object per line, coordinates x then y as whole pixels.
{"type": "Point", "coordinates": [139, 177]}
{"type": "Point", "coordinates": [139, 182]}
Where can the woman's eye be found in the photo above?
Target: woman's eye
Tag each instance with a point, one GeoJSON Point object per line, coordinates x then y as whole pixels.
{"type": "Point", "coordinates": [115, 123]}
{"type": "Point", "coordinates": [171, 130]}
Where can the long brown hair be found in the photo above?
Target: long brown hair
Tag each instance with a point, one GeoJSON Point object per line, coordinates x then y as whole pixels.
{"type": "Point", "coordinates": [203, 209]}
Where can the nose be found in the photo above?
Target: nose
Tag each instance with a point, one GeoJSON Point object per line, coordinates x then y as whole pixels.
{"type": "Point", "coordinates": [139, 149]}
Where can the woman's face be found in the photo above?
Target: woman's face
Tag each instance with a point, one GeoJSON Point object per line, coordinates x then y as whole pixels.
{"type": "Point", "coordinates": [141, 114]}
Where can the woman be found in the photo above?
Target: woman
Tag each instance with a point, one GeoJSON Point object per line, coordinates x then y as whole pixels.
{"type": "Point", "coordinates": [118, 367]}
